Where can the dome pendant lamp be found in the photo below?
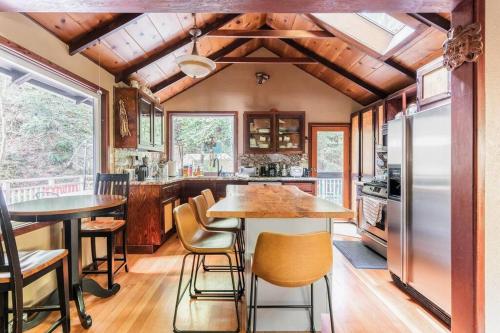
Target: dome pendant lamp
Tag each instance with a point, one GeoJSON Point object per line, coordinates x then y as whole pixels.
{"type": "Point", "coordinates": [194, 65]}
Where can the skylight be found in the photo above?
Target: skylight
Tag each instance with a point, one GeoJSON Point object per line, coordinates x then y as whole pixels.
{"type": "Point", "coordinates": [384, 21]}
{"type": "Point", "coordinates": [380, 32]}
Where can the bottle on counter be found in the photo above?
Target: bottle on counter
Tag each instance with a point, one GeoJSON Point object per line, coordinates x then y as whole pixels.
{"type": "Point", "coordinates": [190, 170]}
{"type": "Point", "coordinates": [185, 171]}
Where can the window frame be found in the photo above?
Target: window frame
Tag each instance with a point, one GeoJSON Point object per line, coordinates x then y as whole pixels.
{"type": "Point", "coordinates": [234, 115]}
{"type": "Point", "coordinates": [54, 71]}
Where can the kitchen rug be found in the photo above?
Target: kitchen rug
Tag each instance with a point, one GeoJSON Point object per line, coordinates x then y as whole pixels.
{"type": "Point", "coordinates": [360, 256]}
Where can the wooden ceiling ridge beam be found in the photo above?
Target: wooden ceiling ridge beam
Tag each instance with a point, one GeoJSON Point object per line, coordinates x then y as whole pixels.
{"type": "Point", "coordinates": [433, 20]}
{"type": "Point", "coordinates": [275, 33]}
{"type": "Point", "coordinates": [93, 36]}
{"type": "Point", "coordinates": [336, 68]}
{"type": "Point", "coordinates": [388, 61]}
{"type": "Point", "coordinates": [214, 56]}
{"type": "Point", "coordinates": [267, 60]}
{"type": "Point", "coordinates": [170, 49]}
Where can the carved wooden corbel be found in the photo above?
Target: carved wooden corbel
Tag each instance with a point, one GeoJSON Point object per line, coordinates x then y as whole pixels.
{"type": "Point", "coordinates": [464, 44]}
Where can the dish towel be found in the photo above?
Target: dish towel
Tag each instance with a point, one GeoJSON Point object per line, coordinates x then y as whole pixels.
{"type": "Point", "coordinates": [372, 210]}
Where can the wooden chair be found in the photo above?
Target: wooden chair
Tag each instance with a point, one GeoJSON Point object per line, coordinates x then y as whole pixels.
{"type": "Point", "coordinates": [19, 269]}
{"type": "Point", "coordinates": [111, 184]}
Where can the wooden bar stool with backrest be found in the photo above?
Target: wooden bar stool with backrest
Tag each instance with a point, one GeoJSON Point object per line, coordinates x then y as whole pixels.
{"type": "Point", "coordinates": [291, 261]}
{"type": "Point", "coordinates": [199, 242]}
{"type": "Point", "coordinates": [19, 269]}
{"type": "Point", "coordinates": [217, 224]}
{"type": "Point", "coordinates": [110, 184]}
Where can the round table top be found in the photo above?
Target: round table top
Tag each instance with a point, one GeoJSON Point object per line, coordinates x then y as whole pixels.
{"type": "Point", "coordinates": [65, 205]}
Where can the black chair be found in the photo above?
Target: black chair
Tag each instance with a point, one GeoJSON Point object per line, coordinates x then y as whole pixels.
{"type": "Point", "coordinates": [19, 269]}
{"type": "Point", "coordinates": [110, 184]}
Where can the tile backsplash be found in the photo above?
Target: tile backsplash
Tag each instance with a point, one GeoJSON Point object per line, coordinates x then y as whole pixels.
{"type": "Point", "coordinates": [259, 159]}
{"type": "Point", "coordinates": [121, 157]}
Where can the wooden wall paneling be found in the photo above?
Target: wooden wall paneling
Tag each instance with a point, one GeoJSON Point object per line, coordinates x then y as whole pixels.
{"type": "Point", "coordinates": [284, 21]}
{"type": "Point", "coordinates": [389, 79]}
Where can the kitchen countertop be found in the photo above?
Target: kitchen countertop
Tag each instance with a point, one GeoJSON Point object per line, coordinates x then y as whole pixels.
{"type": "Point", "coordinates": [274, 202]}
{"type": "Point", "coordinates": [172, 180]}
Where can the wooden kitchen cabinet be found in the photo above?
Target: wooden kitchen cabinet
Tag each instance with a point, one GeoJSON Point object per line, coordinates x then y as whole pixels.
{"type": "Point", "coordinates": [146, 121]}
{"type": "Point", "coordinates": [367, 143]}
{"type": "Point", "coordinates": [150, 215]}
{"type": "Point", "coordinates": [274, 131]}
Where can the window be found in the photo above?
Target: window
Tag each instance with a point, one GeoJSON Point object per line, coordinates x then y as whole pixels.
{"type": "Point", "coordinates": [49, 132]}
{"type": "Point", "coordinates": [380, 32]}
{"type": "Point", "coordinates": [201, 139]}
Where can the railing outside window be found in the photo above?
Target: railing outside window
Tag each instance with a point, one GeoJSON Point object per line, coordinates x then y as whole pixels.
{"type": "Point", "coordinates": [331, 189]}
{"type": "Point", "coordinates": [18, 190]}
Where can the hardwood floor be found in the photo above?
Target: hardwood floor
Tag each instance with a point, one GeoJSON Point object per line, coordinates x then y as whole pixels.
{"type": "Point", "coordinates": [364, 300]}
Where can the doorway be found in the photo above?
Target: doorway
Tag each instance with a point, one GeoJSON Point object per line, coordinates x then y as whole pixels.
{"type": "Point", "coordinates": [329, 150]}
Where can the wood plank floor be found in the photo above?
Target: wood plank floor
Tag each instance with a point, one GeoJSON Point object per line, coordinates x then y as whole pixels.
{"type": "Point", "coordinates": [364, 300]}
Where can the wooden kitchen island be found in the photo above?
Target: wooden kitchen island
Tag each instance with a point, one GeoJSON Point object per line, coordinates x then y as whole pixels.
{"type": "Point", "coordinates": [282, 209]}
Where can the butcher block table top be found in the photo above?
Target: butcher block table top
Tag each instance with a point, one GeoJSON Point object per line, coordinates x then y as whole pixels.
{"type": "Point", "coordinates": [274, 201]}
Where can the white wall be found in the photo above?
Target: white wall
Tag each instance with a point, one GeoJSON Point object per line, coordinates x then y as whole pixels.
{"type": "Point", "coordinates": [289, 89]}
{"type": "Point", "coordinates": [492, 173]}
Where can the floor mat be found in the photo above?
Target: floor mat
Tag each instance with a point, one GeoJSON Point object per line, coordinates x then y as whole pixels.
{"type": "Point", "coordinates": [360, 256]}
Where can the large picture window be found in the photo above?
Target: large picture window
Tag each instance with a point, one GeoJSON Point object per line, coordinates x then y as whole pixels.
{"type": "Point", "coordinates": [204, 140]}
{"type": "Point", "coordinates": [49, 132]}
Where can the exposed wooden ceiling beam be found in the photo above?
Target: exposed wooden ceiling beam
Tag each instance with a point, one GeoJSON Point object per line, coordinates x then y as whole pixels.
{"type": "Point", "coordinates": [93, 36]}
{"type": "Point", "coordinates": [336, 68]}
{"type": "Point", "coordinates": [229, 6]}
{"type": "Point", "coordinates": [265, 60]}
{"type": "Point", "coordinates": [214, 56]}
{"type": "Point", "coordinates": [433, 20]}
{"type": "Point", "coordinates": [355, 44]}
{"type": "Point", "coordinates": [166, 51]}
{"type": "Point", "coordinates": [269, 34]}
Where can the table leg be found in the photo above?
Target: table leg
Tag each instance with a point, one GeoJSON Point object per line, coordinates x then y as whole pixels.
{"type": "Point", "coordinates": [74, 246]}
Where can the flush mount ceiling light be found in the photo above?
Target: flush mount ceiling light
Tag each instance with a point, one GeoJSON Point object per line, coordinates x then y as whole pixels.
{"type": "Point", "coordinates": [194, 65]}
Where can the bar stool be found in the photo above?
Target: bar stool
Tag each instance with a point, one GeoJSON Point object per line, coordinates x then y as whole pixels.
{"type": "Point", "coordinates": [229, 225]}
{"type": "Point", "coordinates": [19, 269]}
{"type": "Point", "coordinates": [111, 184]}
{"type": "Point", "coordinates": [199, 242]}
{"type": "Point", "coordinates": [291, 261]}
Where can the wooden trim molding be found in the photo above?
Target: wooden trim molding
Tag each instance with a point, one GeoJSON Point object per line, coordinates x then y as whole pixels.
{"type": "Point", "coordinates": [235, 115]}
{"type": "Point", "coordinates": [467, 182]}
{"type": "Point", "coordinates": [54, 68]}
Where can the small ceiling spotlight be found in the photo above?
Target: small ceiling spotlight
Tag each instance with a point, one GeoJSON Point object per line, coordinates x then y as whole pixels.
{"type": "Point", "coordinates": [262, 77]}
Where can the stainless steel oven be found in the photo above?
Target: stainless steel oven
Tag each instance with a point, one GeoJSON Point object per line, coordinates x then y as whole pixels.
{"type": "Point", "coordinates": [374, 235]}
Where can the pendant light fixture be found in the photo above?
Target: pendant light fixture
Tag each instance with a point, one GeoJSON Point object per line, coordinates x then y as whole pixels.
{"type": "Point", "coordinates": [194, 65]}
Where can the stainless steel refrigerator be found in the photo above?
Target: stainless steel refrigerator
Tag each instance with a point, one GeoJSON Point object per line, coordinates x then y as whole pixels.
{"type": "Point", "coordinates": [419, 205]}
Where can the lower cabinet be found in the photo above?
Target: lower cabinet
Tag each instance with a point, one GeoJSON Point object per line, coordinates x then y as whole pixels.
{"type": "Point", "coordinates": [308, 187]}
{"type": "Point", "coordinates": [150, 216]}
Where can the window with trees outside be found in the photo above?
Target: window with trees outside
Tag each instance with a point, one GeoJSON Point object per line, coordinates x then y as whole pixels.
{"type": "Point", "coordinates": [204, 140]}
{"type": "Point", "coordinates": [49, 128]}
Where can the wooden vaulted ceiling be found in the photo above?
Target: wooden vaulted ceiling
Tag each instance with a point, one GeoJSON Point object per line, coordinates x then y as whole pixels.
{"type": "Point", "coordinates": [144, 47]}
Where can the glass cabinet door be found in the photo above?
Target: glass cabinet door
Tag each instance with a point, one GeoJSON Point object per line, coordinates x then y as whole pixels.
{"type": "Point", "coordinates": [158, 128]}
{"type": "Point", "coordinates": [290, 133]}
{"type": "Point", "coordinates": [260, 133]}
{"type": "Point", "coordinates": [145, 123]}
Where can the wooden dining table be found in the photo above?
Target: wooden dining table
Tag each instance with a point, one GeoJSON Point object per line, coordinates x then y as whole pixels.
{"type": "Point", "coordinates": [71, 210]}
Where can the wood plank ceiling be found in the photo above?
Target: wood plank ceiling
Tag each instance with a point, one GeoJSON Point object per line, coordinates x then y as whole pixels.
{"type": "Point", "coordinates": [144, 47]}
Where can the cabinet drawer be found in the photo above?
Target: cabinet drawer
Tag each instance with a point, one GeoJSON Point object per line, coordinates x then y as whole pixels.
{"type": "Point", "coordinates": [306, 187]}
{"type": "Point", "coordinates": [170, 191]}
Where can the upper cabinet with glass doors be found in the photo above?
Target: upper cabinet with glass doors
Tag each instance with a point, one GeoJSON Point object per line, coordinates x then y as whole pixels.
{"type": "Point", "coordinates": [274, 131]}
{"type": "Point", "coordinates": [139, 121]}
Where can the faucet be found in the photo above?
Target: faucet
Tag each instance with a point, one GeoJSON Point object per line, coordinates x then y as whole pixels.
{"type": "Point", "coordinates": [219, 168]}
